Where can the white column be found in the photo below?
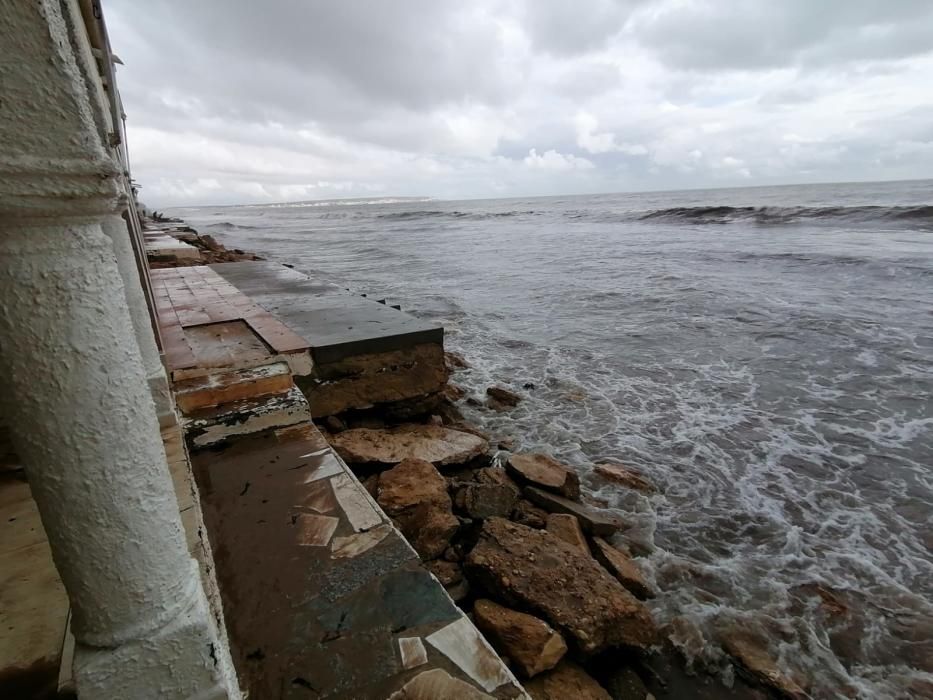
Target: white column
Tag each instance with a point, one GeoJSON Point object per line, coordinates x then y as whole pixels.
{"type": "Point", "coordinates": [74, 393]}
{"type": "Point", "coordinates": [116, 228]}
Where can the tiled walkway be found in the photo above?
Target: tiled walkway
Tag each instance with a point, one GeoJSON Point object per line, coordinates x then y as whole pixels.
{"type": "Point", "coordinates": [189, 297]}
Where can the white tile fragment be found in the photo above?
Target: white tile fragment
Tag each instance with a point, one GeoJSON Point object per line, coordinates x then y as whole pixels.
{"type": "Point", "coordinates": [412, 652]}
{"type": "Point", "coordinates": [354, 545]}
{"type": "Point", "coordinates": [461, 643]}
{"type": "Point", "coordinates": [315, 530]}
{"type": "Point", "coordinates": [315, 453]}
{"type": "Point", "coordinates": [355, 503]}
{"type": "Point", "coordinates": [329, 466]}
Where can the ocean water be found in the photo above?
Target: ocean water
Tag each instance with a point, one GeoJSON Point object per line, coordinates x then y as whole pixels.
{"type": "Point", "coordinates": [763, 355]}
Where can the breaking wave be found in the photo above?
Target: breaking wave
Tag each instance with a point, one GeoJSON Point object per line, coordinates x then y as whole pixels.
{"type": "Point", "coordinates": [785, 215]}
{"type": "Point", "coordinates": [230, 226]}
{"type": "Point", "coordinates": [440, 214]}
{"type": "Point", "coordinates": [724, 214]}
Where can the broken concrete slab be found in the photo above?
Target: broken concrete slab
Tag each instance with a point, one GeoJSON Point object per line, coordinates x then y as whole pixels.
{"type": "Point", "coordinates": [432, 443]}
{"type": "Point", "coordinates": [209, 426]}
{"type": "Point", "coordinates": [221, 387]}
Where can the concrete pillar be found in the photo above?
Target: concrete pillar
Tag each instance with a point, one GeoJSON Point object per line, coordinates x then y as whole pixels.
{"type": "Point", "coordinates": [116, 228]}
{"type": "Point", "coordinates": [74, 391]}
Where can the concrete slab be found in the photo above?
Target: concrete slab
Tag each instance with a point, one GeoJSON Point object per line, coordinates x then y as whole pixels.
{"type": "Point", "coordinates": [162, 245]}
{"type": "Point", "coordinates": [336, 323]}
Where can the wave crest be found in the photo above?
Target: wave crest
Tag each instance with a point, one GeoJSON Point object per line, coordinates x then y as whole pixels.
{"type": "Point", "coordinates": [784, 215]}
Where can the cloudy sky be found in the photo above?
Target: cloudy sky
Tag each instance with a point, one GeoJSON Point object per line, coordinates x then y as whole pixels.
{"type": "Point", "coordinates": [278, 100]}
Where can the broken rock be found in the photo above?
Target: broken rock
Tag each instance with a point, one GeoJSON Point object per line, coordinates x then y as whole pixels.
{"type": "Point", "coordinates": [527, 513]}
{"type": "Point", "coordinates": [565, 682]}
{"type": "Point", "coordinates": [620, 565]}
{"type": "Point", "coordinates": [750, 651]}
{"type": "Point", "coordinates": [535, 570]}
{"type": "Point", "coordinates": [626, 476]}
{"type": "Point", "coordinates": [545, 472]}
{"type": "Point", "coordinates": [414, 495]}
{"type": "Point", "coordinates": [491, 494]}
{"type": "Point", "coordinates": [567, 528]}
{"type": "Point", "coordinates": [529, 643]}
{"type": "Point", "coordinates": [592, 520]}
{"type": "Point", "coordinates": [448, 573]}
{"type": "Point", "coordinates": [504, 397]}
{"type": "Point", "coordinates": [455, 360]}
{"type": "Point", "coordinates": [438, 445]}
{"type": "Point", "coordinates": [625, 684]}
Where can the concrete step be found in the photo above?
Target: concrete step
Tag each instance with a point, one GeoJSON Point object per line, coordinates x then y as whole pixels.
{"type": "Point", "coordinates": [222, 387]}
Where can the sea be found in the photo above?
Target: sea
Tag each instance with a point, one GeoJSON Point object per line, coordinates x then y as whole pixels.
{"type": "Point", "coordinates": [763, 355]}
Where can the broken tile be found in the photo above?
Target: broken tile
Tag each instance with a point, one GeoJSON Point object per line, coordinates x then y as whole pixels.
{"type": "Point", "coordinates": [327, 465]}
{"type": "Point", "coordinates": [354, 545]}
{"type": "Point", "coordinates": [319, 497]}
{"type": "Point", "coordinates": [437, 684]}
{"type": "Point", "coordinates": [412, 652]}
{"type": "Point", "coordinates": [316, 453]}
{"type": "Point", "coordinates": [315, 530]}
{"type": "Point", "coordinates": [461, 643]}
{"type": "Point", "coordinates": [355, 503]}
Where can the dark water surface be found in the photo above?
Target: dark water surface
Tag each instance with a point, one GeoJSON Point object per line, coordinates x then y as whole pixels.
{"type": "Point", "coordinates": [764, 355]}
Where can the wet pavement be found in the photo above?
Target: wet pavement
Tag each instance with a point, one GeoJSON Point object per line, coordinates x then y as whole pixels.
{"type": "Point", "coordinates": [337, 324]}
{"type": "Point", "coordinates": [323, 596]}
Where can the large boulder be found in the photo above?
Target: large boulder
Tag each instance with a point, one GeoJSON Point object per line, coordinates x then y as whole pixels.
{"type": "Point", "coordinates": [537, 571]}
{"type": "Point", "coordinates": [529, 643]}
{"type": "Point", "coordinates": [593, 521]}
{"type": "Point", "coordinates": [545, 472]}
{"type": "Point", "coordinates": [491, 494]}
{"type": "Point", "coordinates": [567, 681]}
{"type": "Point", "coordinates": [432, 443]}
{"type": "Point", "coordinates": [414, 495]}
{"type": "Point", "coordinates": [620, 565]}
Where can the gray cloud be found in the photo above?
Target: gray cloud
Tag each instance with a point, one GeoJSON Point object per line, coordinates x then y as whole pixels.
{"type": "Point", "coordinates": [744, 35]}
{"type": "Point", "coordinates": [294, 99]}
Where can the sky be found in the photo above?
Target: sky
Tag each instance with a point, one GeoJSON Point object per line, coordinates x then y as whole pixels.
{"type": "Point", "coordinates": [289, 100]}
